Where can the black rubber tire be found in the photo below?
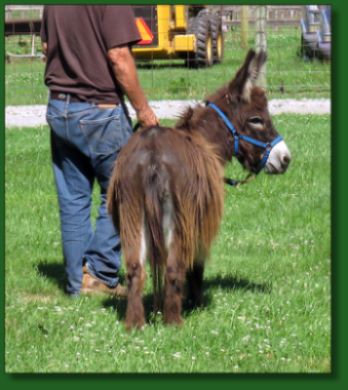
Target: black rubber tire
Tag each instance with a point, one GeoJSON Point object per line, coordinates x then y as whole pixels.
{"type": "Point", "coordinates": [200, 27]}
{"type": "Point", "coordinates": [217, 38]}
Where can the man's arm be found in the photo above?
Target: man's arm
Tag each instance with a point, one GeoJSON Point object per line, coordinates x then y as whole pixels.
{"type": "Point", "coordinates": [125, 72]}
{"type": "Point", "coordinates": [44, 50]}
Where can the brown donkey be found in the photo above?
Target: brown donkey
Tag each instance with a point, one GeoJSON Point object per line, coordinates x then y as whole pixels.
{"type": "Point", "coordinates": [166, 193]}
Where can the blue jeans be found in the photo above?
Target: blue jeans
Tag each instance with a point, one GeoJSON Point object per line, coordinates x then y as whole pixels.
{"type": "Point", "coordinates": [85, 141]}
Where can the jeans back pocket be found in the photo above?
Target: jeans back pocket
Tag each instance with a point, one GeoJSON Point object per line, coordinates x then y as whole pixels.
{"type": "Point", "coordinates": [104, 135]}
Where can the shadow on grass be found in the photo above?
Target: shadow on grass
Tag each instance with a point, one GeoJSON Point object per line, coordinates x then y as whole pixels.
{"type": "Point", "coordinates": [230, 282]}
{"type": "Point", "coordinates": [54, 272]}
{"type": "Point", "coordinates": [120, 306]}
{"type": "Point", "coordinates": [224, 282]}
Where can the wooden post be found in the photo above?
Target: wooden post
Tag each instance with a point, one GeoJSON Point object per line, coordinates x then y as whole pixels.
{"type": "Point", "coordinates": [33, 49]}
{"type": "Point", "coordinates": [261, 38]}
{"type": "Point", "coordinates": [244, 26]}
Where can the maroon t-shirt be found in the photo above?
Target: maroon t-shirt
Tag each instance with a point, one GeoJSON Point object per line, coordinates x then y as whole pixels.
{"type": "Point", "coordinates": [78, 38]}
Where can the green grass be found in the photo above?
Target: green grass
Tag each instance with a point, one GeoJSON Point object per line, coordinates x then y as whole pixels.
{"type": "Point", "coordinates": [287, 73]}
{"type": "Point", "coordinates": [267, 284]}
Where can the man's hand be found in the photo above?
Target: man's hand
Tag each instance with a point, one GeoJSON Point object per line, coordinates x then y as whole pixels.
{"type": "Point", "coordinates": [147, 117]}
{"type": "Point", "coordinates": [125, 72]}
{"type": "Point", "coordinates": [44, 51]}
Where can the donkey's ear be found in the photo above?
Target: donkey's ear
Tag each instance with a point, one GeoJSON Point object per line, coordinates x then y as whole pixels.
{"type": "Point", "coordinates": [248, 75]}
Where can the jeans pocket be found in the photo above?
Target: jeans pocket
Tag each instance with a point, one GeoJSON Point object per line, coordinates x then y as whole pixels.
{"type": "Point", "coordinates": [56, 122]}
{"type": "Point", "coordinates": [51, 114]}
{"type": "Point", "coordinates": [105, 135]}
{"type": "Point", "coordinates": [54, 110]}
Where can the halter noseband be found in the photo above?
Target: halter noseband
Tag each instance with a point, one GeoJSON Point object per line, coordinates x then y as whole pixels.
{"type": "Point", "coordinates": [236, 137]}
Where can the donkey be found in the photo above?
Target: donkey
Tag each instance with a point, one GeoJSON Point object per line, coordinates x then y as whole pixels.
{"type": "Point", "coordinates": [166, 192]}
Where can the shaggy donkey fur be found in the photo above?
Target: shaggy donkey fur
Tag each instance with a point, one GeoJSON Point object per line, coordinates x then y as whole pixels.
{"type": "Point", "coordinates": [166, 193]}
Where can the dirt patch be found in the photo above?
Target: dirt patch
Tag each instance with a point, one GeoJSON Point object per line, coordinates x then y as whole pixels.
{"type": "Point", "coordinates": [33, 116]}
{"type": "Point", "coordinates": [30, 298]}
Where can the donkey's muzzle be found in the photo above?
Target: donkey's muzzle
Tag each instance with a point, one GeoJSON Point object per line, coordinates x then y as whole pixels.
{"type": "Point", "coordinates": [279, 159]}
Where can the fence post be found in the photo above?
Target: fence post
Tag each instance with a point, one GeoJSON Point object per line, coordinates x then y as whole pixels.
{"type": "Point", "coordinates": [244, 26]}
{"type": "Point", "coordinates": [261, 38]}
{"type": "Point", "coordinates": [33, 45]}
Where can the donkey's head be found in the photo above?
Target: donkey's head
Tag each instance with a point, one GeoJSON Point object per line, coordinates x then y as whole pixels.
{"type": "Point", "coordinates": [243, 106]}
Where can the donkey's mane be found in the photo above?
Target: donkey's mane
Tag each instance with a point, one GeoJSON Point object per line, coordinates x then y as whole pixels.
{"type": "Point", "coordinates": [192, 116]}
{"type": "Point", "coordinates": [185, 119]}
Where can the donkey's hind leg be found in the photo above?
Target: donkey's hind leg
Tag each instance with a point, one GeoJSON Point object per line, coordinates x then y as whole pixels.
{"type": "Point", "coordinates": [195, 284]}
{"type": "Point", "coordinates": [135, 263]}
{"type": "Point", "coordinates": [174, 284]}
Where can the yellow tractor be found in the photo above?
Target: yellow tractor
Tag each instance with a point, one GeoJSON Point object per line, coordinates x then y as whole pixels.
{"type": "Point", "coordinates": [193, 33]}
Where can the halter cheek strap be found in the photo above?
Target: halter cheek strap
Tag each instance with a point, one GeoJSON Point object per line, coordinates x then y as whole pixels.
{"type": "Point", "coordinates": [237, 137]}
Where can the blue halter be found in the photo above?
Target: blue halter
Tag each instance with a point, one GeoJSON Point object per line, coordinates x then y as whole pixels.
{"type": "Point", "coordinates": [236, 137]}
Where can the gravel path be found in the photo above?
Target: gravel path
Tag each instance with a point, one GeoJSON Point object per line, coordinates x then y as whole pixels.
{"type": "Point", "coordinates": [32, 116]}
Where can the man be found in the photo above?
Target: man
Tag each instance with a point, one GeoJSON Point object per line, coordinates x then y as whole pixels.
{"type": "Point", "coordinates": [89, 66]}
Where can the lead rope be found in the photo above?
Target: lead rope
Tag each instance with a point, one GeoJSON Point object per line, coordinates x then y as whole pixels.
{"type": "Point", "coordinates": [136, 127]}
{"type": "Point", "coordinates": [237, 183]}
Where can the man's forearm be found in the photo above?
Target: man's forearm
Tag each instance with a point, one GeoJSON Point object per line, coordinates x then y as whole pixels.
{"type": "Point", "coordinates": [126, 74]}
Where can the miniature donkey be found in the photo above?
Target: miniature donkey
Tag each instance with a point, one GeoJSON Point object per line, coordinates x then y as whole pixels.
{"type": "Point", "coordinates": [166, 193]}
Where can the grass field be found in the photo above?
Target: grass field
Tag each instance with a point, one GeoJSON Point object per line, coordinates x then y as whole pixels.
{"type": "Point", "coordinates": [267, 285]}
{"type": "Point", "coordinates": [288, 75]}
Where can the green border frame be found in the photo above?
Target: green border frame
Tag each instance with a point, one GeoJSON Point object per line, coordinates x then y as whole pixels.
{"type": "Point", "coordinates": [339, 376]}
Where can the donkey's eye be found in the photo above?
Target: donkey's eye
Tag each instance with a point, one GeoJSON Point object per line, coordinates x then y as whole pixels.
{"type": "Point", "coordinates": [256, 123]}
{"type": "Point", "coordinates": [255, 120]}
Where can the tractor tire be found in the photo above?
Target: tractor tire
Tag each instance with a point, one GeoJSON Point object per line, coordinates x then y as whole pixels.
{"type": "Point", "coordinates": [200, 27]}
{"type": "Point", "coordinates": [217, 38]}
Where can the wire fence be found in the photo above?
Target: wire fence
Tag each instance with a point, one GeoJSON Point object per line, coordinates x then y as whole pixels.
{"type": "Point", "coordinates": [292, 70]}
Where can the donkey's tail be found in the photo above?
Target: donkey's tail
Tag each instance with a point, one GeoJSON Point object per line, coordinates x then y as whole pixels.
{"type": "Point", "coordinates": [154, 192]}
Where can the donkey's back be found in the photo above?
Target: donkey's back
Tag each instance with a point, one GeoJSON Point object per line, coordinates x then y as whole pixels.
{"type": "Point", "coordinates": [166, 198]}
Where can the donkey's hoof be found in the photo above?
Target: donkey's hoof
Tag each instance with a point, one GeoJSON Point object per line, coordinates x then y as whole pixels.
{"type": "Point", "coordinates": [137, 326]}
{"type": "Point", "coordinates": [178, 321]}
{"type": "Point", "coordinates": [134, 323]}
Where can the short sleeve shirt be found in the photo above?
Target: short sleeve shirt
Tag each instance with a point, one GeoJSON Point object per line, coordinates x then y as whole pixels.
{"type": "Point", "coordinates": [78, 38]}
